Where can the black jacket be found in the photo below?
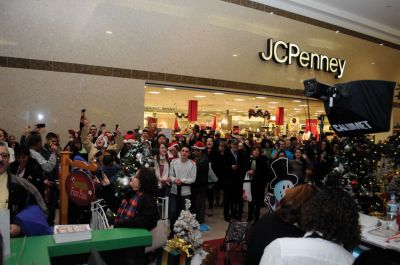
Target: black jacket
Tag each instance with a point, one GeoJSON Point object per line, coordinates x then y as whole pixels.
{"type": "Point", "coordinates": [202, 168]}
{"type": "Point", "coordinates": [263, 232]}
{"type": "Point", "coordinates": [33, 173]}
{"type": "Point", "coordinates": [22, 193]}
{"type": "Point", "coordinates": [146, 215]}
{"type": "Point", "coordinates": [260, 178]}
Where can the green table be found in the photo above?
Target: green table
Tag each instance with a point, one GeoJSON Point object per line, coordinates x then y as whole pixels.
{"type": "Point", "coordinates": [39, 249]}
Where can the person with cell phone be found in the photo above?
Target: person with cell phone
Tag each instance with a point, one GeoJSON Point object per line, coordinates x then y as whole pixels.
{"type": "Point", "coordinates": [102, 142]}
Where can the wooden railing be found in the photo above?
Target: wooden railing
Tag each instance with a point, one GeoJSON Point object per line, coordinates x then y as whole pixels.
{"type": "Point", "coordinates": [66, 163]}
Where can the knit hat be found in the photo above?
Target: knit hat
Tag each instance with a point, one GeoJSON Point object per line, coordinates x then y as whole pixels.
{"type": "Point", "coordinates": [199, 145]}
{"type": "Point", "coordinates": [172, 145]}
{"type": "Point", "coordinates": [129, 138]}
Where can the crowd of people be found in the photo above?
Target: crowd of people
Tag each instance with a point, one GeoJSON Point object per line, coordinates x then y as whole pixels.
{"type": "Point", "coordinates": [203, 167]}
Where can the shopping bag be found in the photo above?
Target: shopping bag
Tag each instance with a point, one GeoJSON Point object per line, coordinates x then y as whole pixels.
{"type": "Point", "coordinates": [212, 178]}
{"type": "Point", "coordinates": [159, 235]}
{"type": "Point", "coordinates": [247, 188]}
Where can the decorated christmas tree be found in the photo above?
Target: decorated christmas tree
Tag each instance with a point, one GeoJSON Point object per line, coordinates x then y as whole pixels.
{"type": "Point", "coordinates": [356, 172]}
{"type": "Point", "coordinates": [187, 227]}
{"type": "Point", "coordinates": [137, 156]}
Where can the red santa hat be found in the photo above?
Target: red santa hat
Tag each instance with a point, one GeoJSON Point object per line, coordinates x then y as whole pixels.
{"type": "Point", "coordinates": [172, 145]}
{"type": "Point", "coordinates": [129, 138]}
{"type": "Point", "coordinates": [199, 145]}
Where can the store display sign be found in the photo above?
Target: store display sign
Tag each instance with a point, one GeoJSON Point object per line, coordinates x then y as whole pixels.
{"type": "Point", "coordinates": [311, 60]}
{"type": "Point", "coordinates": [80, 188]}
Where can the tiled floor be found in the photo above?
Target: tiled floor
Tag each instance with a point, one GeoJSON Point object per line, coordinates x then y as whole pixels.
{"type": "Point", "coordinates": [218, 225]}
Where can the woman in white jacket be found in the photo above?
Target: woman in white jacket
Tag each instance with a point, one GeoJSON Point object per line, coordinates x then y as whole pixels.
{"type": "Point", "coordinates": [330, 220]}
{"type": "Point", "coordinates": [162, 170]}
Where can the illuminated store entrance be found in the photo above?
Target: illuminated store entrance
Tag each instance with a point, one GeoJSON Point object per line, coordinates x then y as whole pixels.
{"type": "Point", "coordinates": [224, 111]}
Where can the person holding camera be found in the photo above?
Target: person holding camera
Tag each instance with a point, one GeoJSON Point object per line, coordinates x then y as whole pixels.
{"type": "Point", "coordinates": [101, 143]}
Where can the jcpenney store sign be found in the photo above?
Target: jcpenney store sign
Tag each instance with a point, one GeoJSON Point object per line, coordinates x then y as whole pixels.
{"type": "Point", "coordinates": [292, 52]}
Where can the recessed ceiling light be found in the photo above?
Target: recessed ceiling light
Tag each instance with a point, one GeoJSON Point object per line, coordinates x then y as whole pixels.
{"type": "Point", "coordinates": [218, 93]}
{"type": "Point", "coordinates": [381, 44]}
{"type": "Point", "coordinates": [199, 96]}
{"type": "Point", "coordinates": [297, 101]}
{"type": "Point", "coordinates": [154, 92]}
{"type": "Point", "coordinates": [239, 99]}
{"type": "Point", "coordinates": [337, 31]}
{"type": "Point", "coordinates": [372, 62]}
{"type": "Point", "coordinates": [109, 32]}
{"type": "Point", "coordinates": [235, 55]}
{"type": "Point", "coordinates": [273, 102]}
{"type": "Point", "coordinates": [297, 109]}
{"type": "Point", "coordinates": [303, 105]}
{"type": "Point", "coordinates": [169, 88]}
{"type": "Point", "coordinates": [261, 97]}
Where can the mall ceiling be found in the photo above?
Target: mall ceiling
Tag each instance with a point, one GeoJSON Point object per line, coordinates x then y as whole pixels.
{"type": "Point", "coordinates": [377, 18]}
{"type": "Point", "coordinates": [170, 99]}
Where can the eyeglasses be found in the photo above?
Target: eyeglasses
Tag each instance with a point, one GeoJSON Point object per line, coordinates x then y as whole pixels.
{"type": "Point", "coordinates": [4, 155]}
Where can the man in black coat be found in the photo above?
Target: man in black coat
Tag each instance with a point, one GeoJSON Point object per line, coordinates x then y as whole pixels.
{"type": "Point", "coordinates": [259, 174]}
{"type": "Point", "coordinates": [199, 187]}
{"type": "Point", "coordinates": [239, 164]}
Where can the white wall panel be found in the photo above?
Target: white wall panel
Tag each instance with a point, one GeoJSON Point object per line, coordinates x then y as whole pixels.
{"type": "Point", "coordinates": [60, 97]}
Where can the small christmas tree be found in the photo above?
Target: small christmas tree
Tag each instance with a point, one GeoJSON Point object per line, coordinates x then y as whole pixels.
{"type": "Point", "coordinates": [187, 227]}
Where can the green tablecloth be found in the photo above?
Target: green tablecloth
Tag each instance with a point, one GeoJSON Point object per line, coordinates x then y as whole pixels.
{"type": "Point", "coordinates": [39, 249]}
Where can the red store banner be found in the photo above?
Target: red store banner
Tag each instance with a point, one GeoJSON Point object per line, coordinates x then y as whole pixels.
{"type": "Point", "coordinates": [192, 111]}
{"type": "Point", "coordinates": [312, 125]}
{"type": "Point", "coordinates": [151, 125]}
{"type": "Point", "coordinates": [279, 114]}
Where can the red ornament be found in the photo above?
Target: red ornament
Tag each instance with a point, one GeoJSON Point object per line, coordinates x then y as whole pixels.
{"type": "Point", "coordinates": [354, 182]}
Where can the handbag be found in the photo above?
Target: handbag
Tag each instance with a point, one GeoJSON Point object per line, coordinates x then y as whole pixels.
{"type": "Point", "coordinates": [159, 235]}
{"type": "Point", "coordinates": [212, 178]}
{"type": "Point", "coordinates": [247, 188]}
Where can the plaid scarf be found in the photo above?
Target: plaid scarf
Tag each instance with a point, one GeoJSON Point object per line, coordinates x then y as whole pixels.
{"type": "Point", "coordinates": [128, 209]}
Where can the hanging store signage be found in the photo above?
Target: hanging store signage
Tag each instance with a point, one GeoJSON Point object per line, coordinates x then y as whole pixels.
{"type": "Point", "coordinates": [304, 59]}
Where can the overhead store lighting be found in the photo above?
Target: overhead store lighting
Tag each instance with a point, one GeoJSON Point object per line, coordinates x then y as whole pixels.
{"type": "Point", "coordinates": [169, 88]}
{"type": "Point", "coordinates": [154, 92]}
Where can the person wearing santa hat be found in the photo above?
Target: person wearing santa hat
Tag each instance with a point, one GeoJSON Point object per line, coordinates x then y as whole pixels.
{"type": "Point", "coordinates": [200, 186]}
{"type": "Point", "coordinates": [129, 139]}
{"type": "Point", "coordinates": [173, 151]}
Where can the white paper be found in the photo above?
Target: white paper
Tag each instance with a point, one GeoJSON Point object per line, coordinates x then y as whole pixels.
{"type": "Point", "coordinates": [5, 230]}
